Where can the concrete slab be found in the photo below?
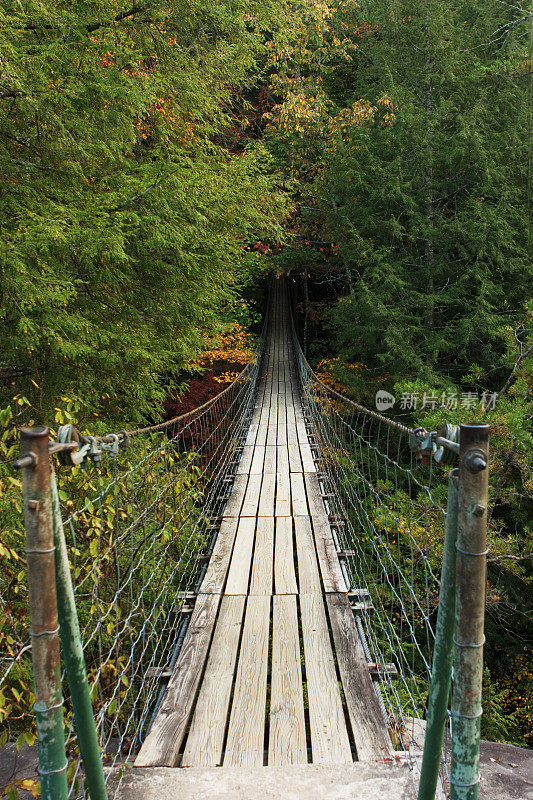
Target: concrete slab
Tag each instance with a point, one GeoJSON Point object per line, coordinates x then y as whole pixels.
{"type": "Point", "coordinates": [383, 781]}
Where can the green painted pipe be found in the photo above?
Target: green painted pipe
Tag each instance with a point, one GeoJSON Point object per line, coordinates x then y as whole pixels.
{"type": "Point", "coordinates": [51, 748]}
{"type": "Point", "coordinates": [75, 661]}
{"type": "Point", "coordinates": [442, 654]}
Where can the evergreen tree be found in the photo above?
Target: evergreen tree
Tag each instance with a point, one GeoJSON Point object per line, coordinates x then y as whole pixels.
{"type": "Point", "coordinates": [122, 218]}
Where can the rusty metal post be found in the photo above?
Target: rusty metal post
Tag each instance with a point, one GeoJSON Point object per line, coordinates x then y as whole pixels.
{"type": "Point", "coordinates": [471, 565]}
{"type": "Point", "coordinates": [40, 556]}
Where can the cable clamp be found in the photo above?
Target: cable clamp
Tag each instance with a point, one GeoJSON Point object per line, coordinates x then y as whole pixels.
{"type": "Point", "coordinates": [49, 550]}
{"type": "Point", "coordinates": [43, 773]}
{"type": "Point", "coordinates": [46, 709]}
{"type": "Point", "coordinates": [44, 633]}
{"type": "Point", "coordinates": [464, 644]}
{"type": "Point", "coordinates": [455, 713]}
{"type": "Point", "coordinates": [465, 785]}
{"type": "Point", "coordinates": [468, 553]}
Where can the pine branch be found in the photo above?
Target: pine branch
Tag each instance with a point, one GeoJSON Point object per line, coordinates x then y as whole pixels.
{"type": "Point", "coordinates": [141, 194]}
{"type": "Point", "coordinates": [493, 400]}
{"type": "Point", "coordinates": [119, 17]}
{"type": "Point", "coordinates": [95, 25]}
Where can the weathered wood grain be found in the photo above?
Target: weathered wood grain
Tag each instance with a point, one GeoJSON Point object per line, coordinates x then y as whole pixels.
{"type": "Point", "coordinates": [298, 496]}
{"type": "Point", "coordinates": [269, 465]}
{"type": "Point", "coordinates": [308, 574]}
{"type": "Point", "coordinates": [234, 504]}
{"type": "Point", "coordinates": [263, 565]}
{"type": "Point", "coordinates": [284, 573]}
{"type": "Point", "coordinates": [246, 732]}
{"type": "Point", "coordinates": [287, 740]}
{"type": "Point", "coordinates": [206, 735]}
{"type": "Point", "coordinates": [217, 568]}
{"type": "Point", "coordinates": [161, 746]}
{"type": "Point", "coordinates": [241, 559]}
{"type": "Point", "coordinates": [329, 738]}
{"type": "Point", "coordinates": [330, 568]}
{"type": "Point", "coordinates": [369, 730]}
{"type": "Point", "coordinates": [283, 494]}
{"type": "Point", "coordinates": [251, 497]}
{"type": "Point", "coordinates": [267, 496]}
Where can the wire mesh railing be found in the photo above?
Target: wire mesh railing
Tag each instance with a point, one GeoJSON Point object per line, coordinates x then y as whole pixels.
{"type": "Point", "coordinates": [140, 521]}
{"type": "Point", "coordinates": [388, 512]}
{"type": "Point", "coordinates": [141, 512]}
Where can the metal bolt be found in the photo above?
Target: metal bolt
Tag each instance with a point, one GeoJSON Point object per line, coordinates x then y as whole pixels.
{"type": "Point", "coordinates": [475, 460]}
{"type": "Point", "coordinates": [479, 510]}
{"type": "Point", "coordinates": [29, 460]}
{"type": "Point", "coordinates": [33, 505]}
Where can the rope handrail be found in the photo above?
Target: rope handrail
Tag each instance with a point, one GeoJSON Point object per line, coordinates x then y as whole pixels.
{"type": "Point", "coordinates": [195, 411]}
{"type": "Point", "coordinates": [209, 403]}
{"type": "Point", "coordinates": [392, 423]}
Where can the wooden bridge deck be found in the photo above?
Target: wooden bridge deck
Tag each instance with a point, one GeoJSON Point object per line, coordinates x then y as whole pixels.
{"type": "Point", "coordinates": [271, 671]}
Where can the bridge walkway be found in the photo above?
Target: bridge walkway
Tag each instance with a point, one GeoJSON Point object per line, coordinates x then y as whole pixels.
{"type": "Point", "coordinates": [271, 670]}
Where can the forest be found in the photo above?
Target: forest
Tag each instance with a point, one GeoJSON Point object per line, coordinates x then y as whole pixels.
{"type": "Point", "coordinates": [160, 161]}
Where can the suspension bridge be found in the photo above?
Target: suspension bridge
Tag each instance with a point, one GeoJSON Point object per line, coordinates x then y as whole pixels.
{"type": "Point", "coordinates": [257, 604]}
{"type": "Point", "coordinates": [274, 568]}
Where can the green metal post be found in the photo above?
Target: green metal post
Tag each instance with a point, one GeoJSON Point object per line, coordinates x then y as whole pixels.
{"type": "Point", "coordinates": [75, 661]}
{"type": "Point", "coordinates": [442, 654]}
{"type": "Point", "coordinates": [36, 474]}
{"type": "Point", "coordinates": [469, 611]}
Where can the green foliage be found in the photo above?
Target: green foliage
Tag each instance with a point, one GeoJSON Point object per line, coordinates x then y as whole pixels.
{"type": "Point", "coordinates": [129, 526]}
{"type": "Point", "coordinates": [406, 128]}
{"type": "Point", "coordinates": [123, 219]}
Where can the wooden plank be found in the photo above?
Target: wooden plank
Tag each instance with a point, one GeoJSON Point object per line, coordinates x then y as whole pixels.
{"type": "Point", "coordinates": [274, 404]}
{"type": "Point", "coordinates": [217, 568]}
{"type": "Point", "coordinates": [302, 433]}
{"type": "Point", "coordinates": [252, 430]}
{"type": "Point", "coordinates": [307, 458]}
{"type": "Point", "coordinates": [283, 494]}
{"type": "Point", "coordinates": [330, 568]}
{"type": "Point", "coordinates": [261, 435]}
{"type": "Point", "coordinates": [234, 504]}
{"type": "Point", "coordinates": [265, 408]}
{"type": "Point", "coordinates": [270, 459]}
{"type": "Point", "coordinates": [292, 435]}
{"type": "Point", "coordinates": [251, 498]}
{"type": "Point", "coordinates": [291, 418]}
{"type": "Point", "coordinates": [206, 735]}
{"type": "Point", "coordinates": [241, 559]}
{"type": "Point", "coordinates": [298, 497]}
{"type": "Point", "coordinates": [295, 461]}
{"type": "Point", "coordinates": [258, 459]}
{"type": "Point", "coordinates": [329, 737]}
{"type": "Point", "coordinates": [282, 433]}
{"type": "Point", "coordinates": [282, 402]}
{"type": "Point", "coordinates": [272, 434]}
{"type": "Point", "coordinates": [366, 718]}
{"type": "Point", "coordinates": [161, 746]}
{"type": "Point", "coordinates": [287, 741]}
{"type": "Point", "coordinates": [246, 732]}
{"type": "Point", "coordinates": [284, 573]}
{"type": "Point", "coordinates": [314, 497]}
{"type": "Point", "coordinates": [246, 460]}
{"type": "Point", "coordinates": [262, 569]}
{"type": "Point", "coordinates": [308, 574]}
{"type": "Point", "coordinates": [266, 498]}
{"type": "Point", "coordinates": [283, 458]}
